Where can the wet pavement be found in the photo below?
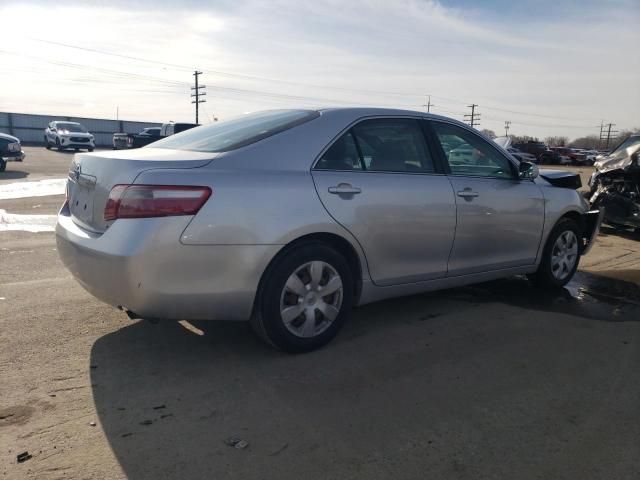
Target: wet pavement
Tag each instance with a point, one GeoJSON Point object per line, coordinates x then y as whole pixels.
{"type": "Point", "coordinates": [587, 296]}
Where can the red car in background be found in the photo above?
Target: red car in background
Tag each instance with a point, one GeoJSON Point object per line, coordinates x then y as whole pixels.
{"type": "Point", "coordinates": [576, 156]}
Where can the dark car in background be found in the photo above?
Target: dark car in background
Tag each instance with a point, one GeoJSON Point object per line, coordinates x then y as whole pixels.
{"type": "Point", "coordinates": [10, 150]}
{"type": "Point", "coordinates": [136, 140]}
{"type": "Point", "coordinates": [148, 135]}
{"type": "Point", "coordinates": [542, 153]}
{"type": "Point", "coordinates": [172, 128]}
{"type": "Point", "coordinates": [522, 156]}
{"type": "Point", "coordinates": [575, 156]}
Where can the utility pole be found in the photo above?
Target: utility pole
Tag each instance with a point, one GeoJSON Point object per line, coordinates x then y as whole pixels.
{"type": "Point", "coordinates": [197, 93]}
{"type": "Point", "coordinates": [506, 127]}
{"type": "Point", "coordinates": [610, 133]}
{"type": "Point", "coordinates": [428, 104]}
{"type": "Point", "coordinates": [474, 118]}
{"type": "Point", "coordinates": [601, 134]}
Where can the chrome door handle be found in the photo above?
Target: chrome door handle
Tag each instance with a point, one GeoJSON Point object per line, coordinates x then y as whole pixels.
{"type": "Point", "coordinates": [344, 188]}
{"type": "Point", "coordinates": [467, 193]}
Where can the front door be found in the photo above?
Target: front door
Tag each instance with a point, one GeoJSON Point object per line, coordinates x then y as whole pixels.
{"type": "Point", "coordinates": [499, 217]}
{"type": "Point", "coordinates": [378, 180]}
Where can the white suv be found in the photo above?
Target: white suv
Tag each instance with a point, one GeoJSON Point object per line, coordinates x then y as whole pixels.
{"type": "Point", "coordinates": [64, 135]}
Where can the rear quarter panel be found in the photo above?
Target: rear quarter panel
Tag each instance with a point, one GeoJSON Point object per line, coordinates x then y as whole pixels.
{"type": "Point", "coordinates": [253, 207]}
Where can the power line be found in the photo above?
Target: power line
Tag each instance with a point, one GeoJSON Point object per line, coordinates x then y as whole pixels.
{"type": "Point", "coordinates": [288, 82]}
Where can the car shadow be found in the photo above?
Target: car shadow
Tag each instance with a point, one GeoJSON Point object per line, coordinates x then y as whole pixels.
{"type": "Point", "coordinates": [626, 233]}
{"type": "Point", "coordinates": [13, 174]}
{"type": "Point", "coordinates": [409, 383]}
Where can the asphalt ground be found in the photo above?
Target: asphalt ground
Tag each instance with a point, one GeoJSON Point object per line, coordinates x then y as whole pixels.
{"type": "Point", "coordinates": [497, 380]}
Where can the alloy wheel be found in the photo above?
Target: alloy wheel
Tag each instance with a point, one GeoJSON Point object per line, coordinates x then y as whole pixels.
{"type": "Point", "coordinates": [311, 299]}
{"type": "Point", "coordinates": [564, 255]}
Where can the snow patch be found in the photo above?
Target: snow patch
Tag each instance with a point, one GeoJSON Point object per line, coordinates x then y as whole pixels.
{"type": "Point", "coordinates": [51, 186]}
{"type": "Point", "coordinates": [27, 223]}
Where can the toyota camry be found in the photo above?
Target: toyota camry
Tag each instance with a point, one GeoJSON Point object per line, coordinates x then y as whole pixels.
{"type": "Point", "coordinates": [290, 218]}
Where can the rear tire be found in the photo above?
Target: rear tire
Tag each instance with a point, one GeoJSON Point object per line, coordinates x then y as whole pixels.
{"type": "Point", "coordinates": [3, 165]}
{"type": "Point", "coordinates": [560, 257]}
{"type": "Point", "coordinates": [305, 298]}
{"type": "Point", "coordinates": [90, 149]}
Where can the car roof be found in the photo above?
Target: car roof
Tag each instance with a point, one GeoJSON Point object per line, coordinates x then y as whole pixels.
{"type": "Point", "coordinates": [356, 113]}
{"type": "Point", "coordinates": [67, 121]}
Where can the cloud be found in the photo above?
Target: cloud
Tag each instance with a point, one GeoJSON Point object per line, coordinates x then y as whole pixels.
{"type": "Point", "coordinates": [575, 62]}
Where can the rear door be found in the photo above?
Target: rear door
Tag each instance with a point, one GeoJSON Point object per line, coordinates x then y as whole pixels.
{"type": "Point", "coordinates": [379, 180]}
{"type": "Point", "coordinates": [499, 217]}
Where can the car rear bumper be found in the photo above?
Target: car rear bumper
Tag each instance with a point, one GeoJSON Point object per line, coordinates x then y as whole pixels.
{"type": "Point", "coordinates": [140, 266]}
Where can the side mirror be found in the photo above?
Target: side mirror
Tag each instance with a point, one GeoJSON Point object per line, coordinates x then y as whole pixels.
{"type": "Point", "coordinates": [528, 170]}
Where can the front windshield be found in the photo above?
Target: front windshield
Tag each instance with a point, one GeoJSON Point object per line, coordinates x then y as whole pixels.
{"type": "Point", "coordinates": [71, 127]}
{"type": "Point", "coordinates": [241, 131]}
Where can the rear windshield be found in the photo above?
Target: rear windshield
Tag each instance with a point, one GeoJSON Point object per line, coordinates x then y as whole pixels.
{"type": "Point", "coordinates": [71, 127]}
{"type": "Point", "coordinates": [236, 133]}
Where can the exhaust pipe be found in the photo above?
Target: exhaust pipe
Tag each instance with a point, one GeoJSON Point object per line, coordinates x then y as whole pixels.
{"type": "Point", "coordinates": [134, 316]}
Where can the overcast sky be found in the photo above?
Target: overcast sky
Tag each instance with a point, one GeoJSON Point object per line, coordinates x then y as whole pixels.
{"type": "Point", "coordinates": [550, 67]}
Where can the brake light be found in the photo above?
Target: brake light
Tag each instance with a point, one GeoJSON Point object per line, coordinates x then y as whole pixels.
{"type": "Point", "coordinates": [143, 201]}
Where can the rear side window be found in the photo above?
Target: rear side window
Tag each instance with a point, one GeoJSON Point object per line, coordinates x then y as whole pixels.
{"type": "Point", "coordinates": [342, 155]}
{"type": "Point", "coordinates": [380, 145]}
{"type": "Point", "coordinates": [236, 133]}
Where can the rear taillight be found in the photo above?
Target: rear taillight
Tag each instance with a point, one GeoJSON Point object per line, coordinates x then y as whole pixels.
{"type": "Point", "coordinates": [143, 201]}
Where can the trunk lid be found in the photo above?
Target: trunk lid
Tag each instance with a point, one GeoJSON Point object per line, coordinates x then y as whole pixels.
{"type": "Point", "coordinates": [93, 175]}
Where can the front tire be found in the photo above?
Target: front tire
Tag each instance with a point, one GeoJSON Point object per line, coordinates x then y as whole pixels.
{"type": "Point", "coordinates": [3, 165]}
{"type": "Point", "coordinates": [58, 145]}
{"type": "Point", "coordinates": [305, 298]}
{"type": "Point", "coordinates": [560, 257]}
{"type": "Point", "coordinates": [46, 143]}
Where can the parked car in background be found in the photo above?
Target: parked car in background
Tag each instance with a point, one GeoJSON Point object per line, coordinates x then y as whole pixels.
{"type": "Point", "coordinates": [289, 218]}
{"type": "Point", "coordinates": [136, 140]}
{"type": "Point", "coordinates": [10, 150]}
{"type": "Point", "coordinates": [577, 156]}
{"type": "Point", "coordinates": [505, 143]}
{"type": "Point", "coordinates": [561, 155]}
{"type": "Point", "coordinates": [538, 149]}
{"type": "Point", "coordinates": [522, 156]}
{"type": "Point", "coordinates": [68, 135]}
{"type": "Point", "coordinates": [591, 156]}
{"type": "Point", "coordinates": [172, 128]}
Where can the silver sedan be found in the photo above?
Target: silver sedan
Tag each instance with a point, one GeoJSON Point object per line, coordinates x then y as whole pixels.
{"type": "Point", "coordinates": [290, 218]}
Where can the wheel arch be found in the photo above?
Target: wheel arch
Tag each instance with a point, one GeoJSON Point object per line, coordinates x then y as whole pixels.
{"type": "Point", "coordinates": [574, 215]}
{"type": "Point", "coordinates": [337, 242]}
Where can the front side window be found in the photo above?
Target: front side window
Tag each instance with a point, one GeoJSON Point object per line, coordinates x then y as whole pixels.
{"type": "Point", "coordinates": [236, 133]}
{"type": "Point", "coordinates": [470, 155]}
{"type": "Point", "coordinates": [380, 145]}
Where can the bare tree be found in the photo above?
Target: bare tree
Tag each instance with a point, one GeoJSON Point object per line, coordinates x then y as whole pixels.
{"type": "Point", "coordinates": [488, 133]}
{"type": "Point", "coordinates": [589, 142]}
{"type": "Point", "coordinates": [558, 141]}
